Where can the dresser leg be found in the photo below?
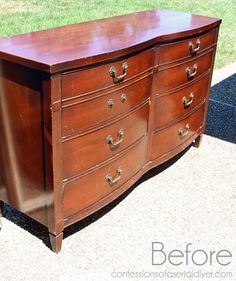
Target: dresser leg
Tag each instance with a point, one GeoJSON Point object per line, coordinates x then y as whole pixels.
{"type": "Point", "coordinates": [56, 242]}
{"type": "Point", "coordinates": [1, 208]}
{"type": "Point", "coordinates": [1, 213]}
{"type": "Point", "coordinates": [198, 141]}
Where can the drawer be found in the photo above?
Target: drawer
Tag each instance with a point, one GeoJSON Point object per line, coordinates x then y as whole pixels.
{"type": "Point", "coordinates": [172, 106]}
{"type": "Point", "coordinates": [90, 112]}
{"type": "Point", "coordinates": [101, 77]}
{"type": "Point", "coordinates": [81, 153]}
{"type": "Point", "coordinates": [186, 48]}
{"type": "Point", "coordinates": [181, 74]}
{"type": "Point", "coordinates": [169, 138]}
{"type": "Point", "coordinates": [88, 189]}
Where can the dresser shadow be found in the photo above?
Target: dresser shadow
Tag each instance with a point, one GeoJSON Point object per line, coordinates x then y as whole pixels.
{"type": "Point", "coordinates": [41, 232]}
{"type": "Point", "coordinates": [221, 119]}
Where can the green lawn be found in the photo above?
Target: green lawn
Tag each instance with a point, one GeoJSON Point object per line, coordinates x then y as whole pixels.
{"type": "Point", "coordinates": [18, 16]}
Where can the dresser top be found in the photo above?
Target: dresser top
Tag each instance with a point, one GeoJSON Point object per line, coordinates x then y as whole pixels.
{"type": "Point", "coordinates": [67, 47]}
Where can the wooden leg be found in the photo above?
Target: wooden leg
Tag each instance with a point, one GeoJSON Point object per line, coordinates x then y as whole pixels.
{"type": "Point", "coordinates": [198, 141]}
{"type": "Point", "coordinates": [1, 208]}
{"type": "Point", "coordinates": [1, 212]}
{"type": "Point", "coordinates": [56, 242]}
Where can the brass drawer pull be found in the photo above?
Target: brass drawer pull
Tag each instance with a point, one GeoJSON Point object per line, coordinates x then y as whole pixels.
{"type": "Point", "coordinates": [109, 139]}
{"type": "Point", "coordinates": [110, 103]}
{"type": "Point", "coordinates": [188, 71]}
{"type": "Point", "coordinates": [113, 73]}
{"type": "Point", "coordinates": [193, 50]}
{"type": "Point", "coordinates": [182, 133]}
{"type": "Point", "coordinates": [186, 102]}
{"type": "Point", "coordinates": [110, 179]}
{"type": "Point", "coordinates": [123, 98]}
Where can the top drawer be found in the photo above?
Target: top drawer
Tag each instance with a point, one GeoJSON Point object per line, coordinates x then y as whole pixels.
{"type": "Point", "coordinates": [104, 76]}
{"type": "Point", "coordinates": [186, 48]}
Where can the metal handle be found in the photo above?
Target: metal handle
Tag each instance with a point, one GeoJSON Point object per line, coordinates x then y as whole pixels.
{"type": "Point", "coordinates": [193, 50]}
{"type": "Point", "coordinates": [182, 133]}
{"type": "Point", "coordinates": [110, 179]}
{"type": "Point", "coordinates": [188, 71]}
{"type": "Point", "coordinates": [109, 139]}
{"type": "Point", "coordinates": [113, 73]}
{"type": "Point", "coordinates": [123, 98]}
{"type": "Point", "coordinates": [186, 102]}
{"type": "Point", "coordinates": [110, 103]}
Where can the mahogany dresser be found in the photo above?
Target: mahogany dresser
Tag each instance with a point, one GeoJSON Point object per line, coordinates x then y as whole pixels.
{"type": "Point", "coordinates": [87, 109]}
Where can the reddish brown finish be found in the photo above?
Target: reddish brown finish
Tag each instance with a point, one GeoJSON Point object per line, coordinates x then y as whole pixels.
{"type": "Point", "coordinates": [198, 141]}
{"type": "Point", "coordinates": [176, 51]}
{"type": "Point", "coordinates": [175, 76]}
{"type": "Point", "coordinates": [51, 105]}
{"type": "Point", "coordinates": [79, 154]}
{"type": "Point", "coordinates": [56, 242]}
{"type": "Point", "coordinates": [98, 78]}
{"type": "Point", "coordinates": [21, 140]}
{"type": "Point", "coordinates": [54, 123]}
{"type": "Point", "coordinates": [162, 143]}
{"type": "Point", "coordinates": [170, 107]}
{"type": "Point", "coordinates": [61, 48]}
{"type": "Point", "coordinates": [89, 111]}
{"type": "Point", "coordinates": [89, 189]}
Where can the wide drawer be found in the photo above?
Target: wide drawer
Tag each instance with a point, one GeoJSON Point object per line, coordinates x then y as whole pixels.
{"type": "Point", "coordinates": [93, 111]}
{"type": "Point", "coordinates": [89, 189]}
{"type": "Point", "coordinates": [169, 138]}
{"type": "Point", "coordinates": [181, 74]}
{"type": "Point", "coordinates": [101, 77]}
{"type": "Point", "coordinates": [186, 48]}
{"type": "Point", "coordinates": [81, 153]}
{"type": "Point", "coordinates": [172, 106]}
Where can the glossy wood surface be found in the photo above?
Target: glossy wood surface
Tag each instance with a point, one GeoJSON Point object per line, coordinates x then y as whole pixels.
{"type": "Point", "coordinates": [70, 142]}
{"type": "Point", "coordinates": [81, 153]}
{"type": "Point", "coordinates": [61, 48]}
{"type": "Point", "coordinates": [180, 50]}
{"type": "Point", "coordinates": [170, 107]}
{"type": "Point", "coordinates": [51, 106]}
{"type": "Point", "coordinates": [87, 190]}
{"type": "Point", "coordinates": [163, 143]}
{"type": "Point", "coordinates": [175, 76]}
{"type": "Point", "coordinates": [92, 110]}
{"type": "Point", "coordinates": [21, 140]}
{"type": "Point", "coordinates": [98, 78]}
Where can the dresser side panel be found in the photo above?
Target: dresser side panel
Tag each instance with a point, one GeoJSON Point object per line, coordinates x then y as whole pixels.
{"type": "Point", "coordinates": [21, 140]}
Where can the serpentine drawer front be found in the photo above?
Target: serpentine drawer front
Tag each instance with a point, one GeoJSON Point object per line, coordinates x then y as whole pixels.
{"type": "Point", "coordinates": [83, 118]}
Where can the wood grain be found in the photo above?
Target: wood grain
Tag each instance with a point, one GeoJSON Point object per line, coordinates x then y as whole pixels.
{"type": "Point", "coordinates": [72, 46]}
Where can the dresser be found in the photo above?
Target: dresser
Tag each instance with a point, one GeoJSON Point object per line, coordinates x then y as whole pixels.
{"type": "Point", "coordinates": [87, 109]}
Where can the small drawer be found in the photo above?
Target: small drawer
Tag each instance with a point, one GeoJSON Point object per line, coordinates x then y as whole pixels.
{"type": "Point", "coordinates": [81, 153]}
{"type": "Point", "coordinates": [101, 77]}
{"type": "Point", "coordinates": [172, 106]}
{"type": "Point", "coordinates": [91, 112]}
{"type": "Point", "coordinates": [89, 189]}
{"type": "Point", "coordinates": [169, 138]}
{"type": "Point", "coordinates": [182, 74]}
{"type": "Point", "coordinates": [186, 48]}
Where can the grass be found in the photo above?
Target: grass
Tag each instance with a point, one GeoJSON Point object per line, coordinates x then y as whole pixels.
{"type": "Point", "coordinates": [18, 16]}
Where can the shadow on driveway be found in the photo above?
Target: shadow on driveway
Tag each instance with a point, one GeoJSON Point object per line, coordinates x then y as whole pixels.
{"type": "Point", "coordinates": [221, 119]}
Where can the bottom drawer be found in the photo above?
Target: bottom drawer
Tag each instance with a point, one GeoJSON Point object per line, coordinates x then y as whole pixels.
{"type": "Point", "coordinates": [86, 190]}
{"type": "Point", "coordinates": [167, 139]}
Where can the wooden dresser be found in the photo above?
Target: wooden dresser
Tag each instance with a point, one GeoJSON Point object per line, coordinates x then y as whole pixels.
{"type": "Point", "coordinates": [87, 109]}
